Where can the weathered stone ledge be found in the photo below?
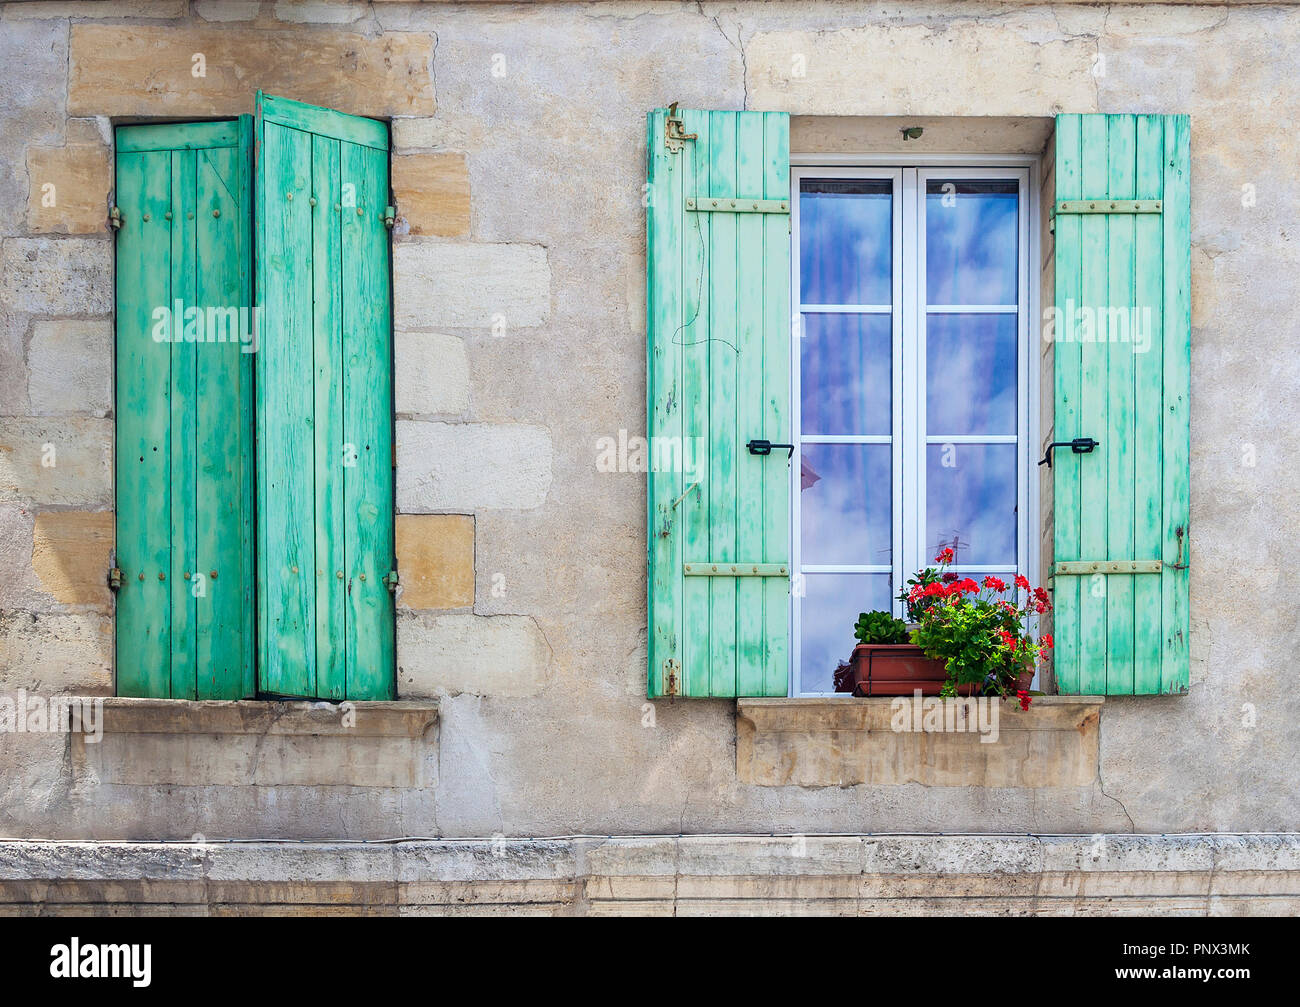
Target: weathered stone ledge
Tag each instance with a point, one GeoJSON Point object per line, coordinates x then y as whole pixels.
{"type": "Point", "coordinates": [1216, 874]}
{"type": "Point", "coordinates": [843, 741]}
{"type": "Point", "coordinates": [153, 742]}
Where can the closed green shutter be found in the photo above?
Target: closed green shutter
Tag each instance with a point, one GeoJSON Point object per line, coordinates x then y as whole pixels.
{"type": "Point", "coordinates": [718, 376]}
{"type": "Point", "coordinates": [324, 404]}
{"type": "Point", "coordinates": [184, 411]}
{"type": "Point", "coordinates": [1123, 365]}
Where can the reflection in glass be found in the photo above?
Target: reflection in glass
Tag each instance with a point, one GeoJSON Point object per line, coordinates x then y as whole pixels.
{"type": "Point", "coordinates": [845, 241]}
{"type": "Point", "coordinates": [830, 609]}
{"type": "Point", "coordinates": [971, 241]}
{"type": "Point", "coordinates": [970, 374]}
{"type": "Point", "coordinates": [845, 363]}
{"type": "Point", "coordinates": [845, 500]}
{"type": "Point", "coordinates": [970, 502]}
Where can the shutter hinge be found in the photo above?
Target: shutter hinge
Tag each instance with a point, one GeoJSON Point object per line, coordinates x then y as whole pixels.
{"type": "Point", "coordinates": [115, 218]}
{"type": "Point", "coordinates": [115, 578]}
{"type": "Point", "coordinates": [675, 135]}
{"type": "Point", "coordinates": [672, 677]}
{"type": "Point", "coordinates": [390, 580]}
{"type": "Point", "coordinates": [390, 216]}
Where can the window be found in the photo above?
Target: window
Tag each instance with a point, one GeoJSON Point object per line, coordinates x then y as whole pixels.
{"type": "Point", "coordinates": [912, 391]}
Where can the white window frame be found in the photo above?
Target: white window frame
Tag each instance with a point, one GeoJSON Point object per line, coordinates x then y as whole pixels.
{"type": "Point", "coordinates": [908, 435]}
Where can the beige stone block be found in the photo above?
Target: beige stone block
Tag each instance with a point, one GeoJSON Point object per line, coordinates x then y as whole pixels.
{"type": "Point", "coordinates": [57, 462]}
{"type": "Point", "coordinates": [227, 10]}
{"type": "Point", "coordinates": [975, 68]}
{"type": "Point", "coordinates": [147, 70]}
{"type": "Point", "coordinates": [70, 554]}
{"type": "Point", "coordinates": [104, 9]}
{"type": "Point", "coordinates": [68, 189]}
{"type": "Point", "coordinates": [57, 276]}
{"type": "Point", "coordinates": [463, 467]}
{"type": "Point", "coordinates": [499, 287]}
{"type": "Point", "coordinates": [845, 741]}
{"type": "Point", "coordinates": [430, 374]}
{"type": "Point", "coordinates": [432, 193]}
{"type": "Point", "coordinates": [51, 654]}
{"type": "Point", "coordinates": [435, 557]}
{"type": "Point", "coordinates": [319, 11]}
{"type": "Point", "coordinates": [71, 367]}
{"type": "Point", "coordinates": [500, 655]}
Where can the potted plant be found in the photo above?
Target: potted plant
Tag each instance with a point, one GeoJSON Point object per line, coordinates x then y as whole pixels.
{"type": "Point", "coordinates": [966, 637]}
{"type": "Point", "coordinates": [980, 631]}
{"type": "Point", "coordinates": [885, 663]}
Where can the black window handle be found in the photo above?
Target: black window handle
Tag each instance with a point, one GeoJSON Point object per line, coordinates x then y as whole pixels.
{"type": "Point", "coordinates": [757, 447]}
{"type": "Point", "coordinates": [1080, 446]}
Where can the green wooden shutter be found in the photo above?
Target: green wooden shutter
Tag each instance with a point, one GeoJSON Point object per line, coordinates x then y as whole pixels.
{"type": "Point", "coordinates": [1123, 365]}
{"type": "Point", "coordinates": [718, 317]}
{"type": "Point", "coordinates": [324, 404]}
{"type": "Point", "coordinates": [184, 411]}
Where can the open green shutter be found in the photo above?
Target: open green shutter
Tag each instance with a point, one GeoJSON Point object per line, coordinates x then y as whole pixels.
{"type": "Point", "coordinates": [1123, 365]}
{"type": "Point", "coordinates": [184, 411]}
{"type": "Point", "coordinates": [718, 376]}
{"type": "Point", "coordinates": [324, 404]}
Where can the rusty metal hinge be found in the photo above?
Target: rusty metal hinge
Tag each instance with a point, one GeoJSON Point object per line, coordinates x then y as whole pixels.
{"type": "Point", "coordinates": [390, 216]}
{"type": "Point", "coordinates": [672, 677]}
{"type": "Point", "coordinates": [675, 135]}
{"type": "Point", "coordinates": [115, 578]}
{"type": "Point", "coordinates": [390, 580]}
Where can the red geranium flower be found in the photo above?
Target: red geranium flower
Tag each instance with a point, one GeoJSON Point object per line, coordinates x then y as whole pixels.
{"type": "Point", "coordinates": [1022, 582]}
{"type": "Point", "coordinates": [995, 583]}
{"type": "Point", "coordinates": [1046, 641]}
{"type": "Point", "coordinates": [1025, 699]}
{"type": "Point", "coordinates": [945, 556]}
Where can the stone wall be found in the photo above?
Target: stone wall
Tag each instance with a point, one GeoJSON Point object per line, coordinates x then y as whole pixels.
{"type": "Point", "coordinates": [519, 156]}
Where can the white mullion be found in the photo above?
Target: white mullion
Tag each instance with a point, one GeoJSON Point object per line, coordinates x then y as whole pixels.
{"type": "Point", "coordinates": [845, 309]}
{"type": "Point", "coordinates": [898, 411]}
{"type": "Point", "coordinates": [971, 309]}
{"type": "Point", "coordinates": [794, 686]}
{"type": "Point", "coordinates": [913, 487]}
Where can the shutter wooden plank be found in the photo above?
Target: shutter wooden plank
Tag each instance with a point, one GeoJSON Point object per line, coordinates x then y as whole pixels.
{"type": "Point", "coordinates": [143, 410]}
{"type": "Point", "coordinates": [776, 339]}
{"type": "Point", "coordinates": [223, 429]}
{"type": "Point", "coordinates": [1066, 424]}
{"type": "Point", "coordinates": [368, 425]}
{"type": "Point", "coordinates": [1118, 436]}
{"type": "Point", "coordinates": [717, 372]}
{"type": "Point", "coordinates": [723, 351]}
{"type": "Point", "coordinates": [664, 397]}
{"type": "Point", "coordinates": [1176, 428]}
{"type": "Point", "coordinates": [1092, 410]}
{"type": "Point", "coordinates": [331, 450]}
{"type": "Point", "coordinates": [750, 608]}
{"type": "Point", "coordinates": [695, 271]}
{"type": "Point", "coordinates": [286, 539]}
{"type": "Point", "coordinates": [1147, 408]}
{"type": "Point", "coordinates": [184, 442]}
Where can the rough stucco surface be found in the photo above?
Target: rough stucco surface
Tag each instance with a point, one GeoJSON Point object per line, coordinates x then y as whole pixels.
{"type": "Point", "coordinates": [555, 152]}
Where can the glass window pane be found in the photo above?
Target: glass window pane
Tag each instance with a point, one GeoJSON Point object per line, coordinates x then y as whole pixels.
{"type": "Point", "coordinates": [971, 241]}
{"type": "Point", "coordinates": [831, 606]}
{"type": "Point", "coordinates": [846, 498]}
{"type": "Point", "coordinates": [970, 503]}
{"type": "Point", "coordinates": [970, 374]}
{"type": "Point", "coordinates": [845, 374]}
{"type": "Point", "coordinates": [845, 241]}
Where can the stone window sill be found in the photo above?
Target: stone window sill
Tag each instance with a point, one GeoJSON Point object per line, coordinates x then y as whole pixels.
{"type": "Point", "coordinates": [843, 741]}
{"type": "Point", "coordinates": [153, 742]}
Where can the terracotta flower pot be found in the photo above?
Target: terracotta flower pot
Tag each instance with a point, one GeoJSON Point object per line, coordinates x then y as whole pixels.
{"type": "Point", "coordinates": [895, 669]}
